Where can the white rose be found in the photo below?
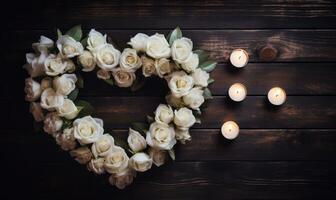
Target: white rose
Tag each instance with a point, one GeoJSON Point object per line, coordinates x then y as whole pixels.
{"type": "Point", "coordinates": [140, 162]}
{"type": "Point", "coordinates": [65, 84]}
{"type": "Point", "coordinates": [191, 63]}
{"type": "Point", "coordinates": [139, 42]}
{"type": "Point", "coordinates": [66, 140]}
{"type": "Point", "coordinates": [129, 60]}
{"type": "Point", "coordinates": [195, 98]}
{"type": "Point", "coordinates": [36, 110]}
{"type": "Point", "coordinates": [157, 46]}
{"type": "Point", "coordinates": [123, 78]}
{"type": "Point", "coordinates": [200, 77]}
{"type": "Point", "coordinates": [95, 39]}
{"type": "Point", "coordinates": [182, 135]}
{"type": "Point", "coordinates": [96, 166]}
{"type": "Point", "coordinates": [43, 45]}
{"type": "Point", "coordinates": [87, 61]}
{"type": "Point", "coordinates": [174, 101]}
{"type": "Point", "coordinates": [87, 129]}
{"type": "Point", "coordinates": [68, 110]}
{"type": "Point", "coordinates": [82, 154]}
{"type": "Point", "coordinates": [158, 156]}
{"type": "Point", "coordinates": [116, 161]}
{"type": "Point", "coordinates": [163, 67]}
{"type": "Point", "coordinates": [35, 64]}
{"type": "Point", "coordinates": [32, 89]}
{"type": "Point", "coordinates": [51, 100]}
{"type": "Point", "coordinates": [184, 118]}
{"type": "Point", "coordinates": [164, 114]}
{"type": "Point", "coordinates": [148, 66]}
{"type": "Point", "coordinates": [52, 123]}
{"type": "Point", "coordinates": [103, 146]}
{"type": "Point", "coordinates": [54, 65]}
{"type": "Point", "coordinates": [181, 49]}
{"type": "Point", "coordinates": [136, 141]}
{"type": "Point", "coordinates": [122, 179]}
{"type": "Point", "coordinates": [103, 74]}
{"type": "Point", "coordinates": [106, 56]}
{"type": "Point", "coordinates": [161, 136]}
{"type": "Point", "coordinates": [69, 47]}
{"type": "Point", "coordinates": [46, 83]}
{"type": "Point", "coordinates": [180, 85]}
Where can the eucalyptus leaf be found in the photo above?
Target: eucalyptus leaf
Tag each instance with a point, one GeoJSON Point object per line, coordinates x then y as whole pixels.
{"type": "Point", "coordinates": [84, 41]}
{"type": "Point", "coordinates": [75, 32]}
{"type": "Point", "coordinates": [66, 123]}
{"type": "Point", "coordinates": [138, 84]}
{"type": "Point", "coordinates": [202, 56]}
{"type": "Point", "coordinates": [198, 120]}
{"type": "Point", "coordinates": [140, 127]}
{"type": "Point", "coordinates": [109, 81]}
{"type": "Point", "coordinates": [207, 94]}
{"type": "Point", "coordinates": [150, 119]}
{"type": "Point", "coordinates": [172, 154]}
{"type": "Point", "coordinates": [208, 66]}
{"type": "Point", "coordinates": [211, 80]}
{"type": "Point", "coordinates": [59, 33]}
{"type": "Point", "coordinates": [87, 108]}
{"type": "Point", "coordinates": [80, 81]}
{"type": "Point", "coordinates": [73, 95]}
{"type": "Point", "coordinates": [174, 35]}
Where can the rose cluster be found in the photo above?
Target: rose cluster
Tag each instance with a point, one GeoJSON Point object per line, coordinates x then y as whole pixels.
{"type": "Point", "coordinates": [52, 90]}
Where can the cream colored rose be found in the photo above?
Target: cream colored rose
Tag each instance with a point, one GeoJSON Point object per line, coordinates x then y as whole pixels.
{"type": "Point", "coordinates": [50, 100]}
{"type": "Point", "coordinates": [129, 60]}
{"type": "Point", "coordinates": [54, 65]}
{"type": "Point", "coordinates": [46, 83]}
{"type": "Point", "coordinates": [96, 166]}
{"type": "Point", "coordinates": [157, 46]}
{"type": "Point", "coordinates": [69, 47]}
{"type": "Point", "coordinates": [68, 110]}
{"type": "Point", "coordinates": [103, 74]}
{"type": "Point", "coordinates": [140, 162]}
{"type": "Point", "coordinates": [43, 45]}
{"type": "Point", "coordinates": [164, 114]}
{"type": "Point", "coordinates": [122, 179]}
{"type": "Point", "coordinates": [174, 101]}
{"type": "Point", "coordinates": [87, 130]}
{"type": "Point", "coordinates": [161, 136]}
{"type": "Point", "coordinates": [182, 135]}
{"type": "Point", "coordinates": [95, 39]}
{"type": "Point", "coordinates": [180, 85]}
{"type": "Point", "coordinates": [191, 63]}
{"type": "Point", "coordinates": [66, 140]}
{"type": "Point", "coordinates": [184, 118]}
{"type": "Point", "coordinates": [200, 77]}
{"type": "Point", "coordinates": [103, 146]}
{"type": "Point", "coordinates": [148, 66]}
{"type": "Point", "coordinates": [106, 56]}
{"type": "Point", "coordinates": [87, 61]}
{"type": "Point", "coordinates": [65, 84]}
{"type": "Point", "coordinates": [82, 154]}
{"type": "Point", "coordinates": [136, 141]}
{"type": "Point", "coordinates": [181, 49]}
{"type": "Point", "coordinates": [36, 110]}
{"type": "Point", "coordinates": [158, 156]}
{"type": "Point", "coordinates": [52, 123]}
{"type": "Point", "coordinates": [116, 161]}
{"type": "Point", "coordinates": [163, 67]}
{"type": "Point", "coordinates": [70, 65]}
{"type": "Point", "coordinates": [35, 64]}
{"type": "Point", "coordinates": [32, 89]}
{"type": "Point", "coordinates": [194, 99]}
{"type": "Point", "coordinates": [139, 42]}
{"type": "Point", "coordinates": [123, 78]}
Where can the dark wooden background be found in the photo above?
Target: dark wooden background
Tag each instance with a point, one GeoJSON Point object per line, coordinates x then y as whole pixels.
{"type": "Point", "coordinates": [281, 153]}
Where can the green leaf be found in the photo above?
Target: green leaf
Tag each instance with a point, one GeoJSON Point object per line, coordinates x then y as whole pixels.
{"type": "Point", "coordinates": [211, 80]}
{"type": "Point", "coordinates": [59, 33]}
{"type": "Point", "coordinates": [208, 66]}
{"type": "Point", "coordinates": [174, 35]}
{"type": "Point", "coordinates": [202, 56]}
{"type": "Point", "coordinates": [207, 94]}
{"type": "Point", "coordinates": [75, 32]}
{"type": "Point", "coordinates": [140, 127]}
{"type": "Point", "coordinates": [150, 119]}
{"type": "Point", "coordinates": [66, 123]}
{"type": "Point", "coordinates": [109, 81]}
{"type": "Point", "coordinates": [73, 95]}
{"type": "Point", "coordinates": [138, 84]}
{"type": "Point", "coordinates": [80, 81]}
{"type": "Point", "coordinates": [86, 108]}
{"type": "Point", "coordinates": [84, 41]}
{"type": "Point", "coordinates": [172, 154]}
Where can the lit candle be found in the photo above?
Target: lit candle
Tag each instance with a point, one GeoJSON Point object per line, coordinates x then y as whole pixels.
{"type": "Point", "coordinates": [239, 58]}
{"type": "Point", "coordinates": [237, 92]}
{"type": "Point", "coordinates": [230, 130]}
{"type": "Point", "coordinates": [277, 96]}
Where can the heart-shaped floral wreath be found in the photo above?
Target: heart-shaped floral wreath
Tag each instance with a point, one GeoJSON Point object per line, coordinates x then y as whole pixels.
{"type": "Point", "coordinates": [52, 89]}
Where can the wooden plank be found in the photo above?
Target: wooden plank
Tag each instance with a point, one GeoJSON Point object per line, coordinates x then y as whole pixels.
{"type": "Point", "coordinates": [206, 145]}
{"type": "Point", "coordinates": [138, 15]}
{"type": "Point", "coordinates": [191, 180]}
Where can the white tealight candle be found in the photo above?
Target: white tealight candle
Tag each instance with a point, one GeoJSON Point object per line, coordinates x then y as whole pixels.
{"type": "Point", "coordinates": [237, 92]}
{"type": "Point", "coordinates": [277, 96]}
{"type": "Point", "coordinates": [230, 130]}
{"type": "Point", "coordinates": [239, 58]}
